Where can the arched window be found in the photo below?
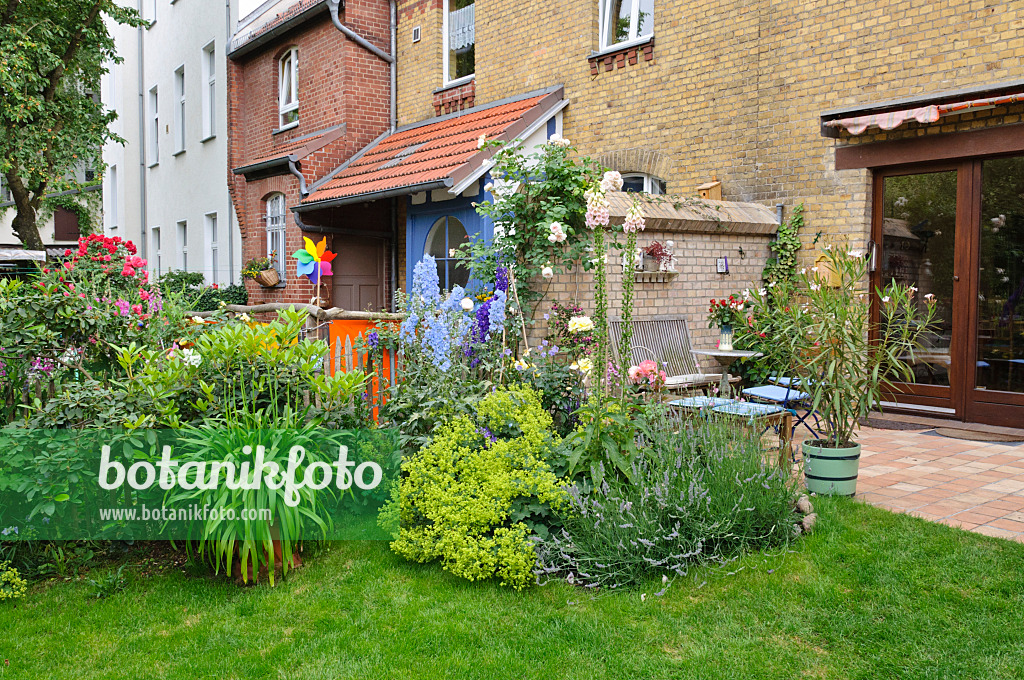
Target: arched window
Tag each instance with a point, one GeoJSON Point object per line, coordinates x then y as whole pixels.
{"type": "Point", "coordinates": [288, 89]}
{"type": "Point", "coordinates": [447, 234]}
{"type": "Point", "coordinates": [639, 182]}
{"type": "Point", "coordinates": [276, 248]}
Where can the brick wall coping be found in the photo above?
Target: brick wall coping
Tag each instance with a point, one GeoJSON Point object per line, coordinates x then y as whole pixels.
{"type": "Point", "coordinates": [696, 215]}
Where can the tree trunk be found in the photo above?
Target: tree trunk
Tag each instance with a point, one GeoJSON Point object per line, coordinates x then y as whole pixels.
{"type": "Point", "coordinates": [25, 227]}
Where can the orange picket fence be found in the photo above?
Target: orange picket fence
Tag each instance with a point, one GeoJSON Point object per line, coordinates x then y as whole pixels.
{"type": "Point", "coordinates": [346, 354]}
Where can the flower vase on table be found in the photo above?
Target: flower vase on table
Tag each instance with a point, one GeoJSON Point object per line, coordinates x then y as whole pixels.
{"type": "Point", "coordinates": [725, 337]}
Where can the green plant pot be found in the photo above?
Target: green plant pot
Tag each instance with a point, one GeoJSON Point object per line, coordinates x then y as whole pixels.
{"type": "Point", "coordinates": [830, 471]}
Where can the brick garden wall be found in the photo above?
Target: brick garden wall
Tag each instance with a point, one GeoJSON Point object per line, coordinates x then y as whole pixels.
{"type": "Point", "coordinates": [338, 83]}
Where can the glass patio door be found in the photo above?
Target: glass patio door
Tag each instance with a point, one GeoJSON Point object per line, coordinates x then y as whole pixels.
{"type": "Point", "coordinates": [956, 231]}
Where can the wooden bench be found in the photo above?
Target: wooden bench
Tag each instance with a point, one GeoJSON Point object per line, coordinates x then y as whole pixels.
{"type": "Point", "coordinates": [665, 339]}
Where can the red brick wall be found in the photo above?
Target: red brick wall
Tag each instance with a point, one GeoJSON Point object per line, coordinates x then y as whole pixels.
{"type": "Point", "coordinates": [338, 83]}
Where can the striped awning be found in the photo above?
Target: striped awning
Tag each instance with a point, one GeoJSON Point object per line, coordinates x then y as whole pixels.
{"type": "Point", "coordinates": [923, 114]}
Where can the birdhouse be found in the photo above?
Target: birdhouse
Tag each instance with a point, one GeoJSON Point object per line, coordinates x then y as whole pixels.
{"type": "Point", "coordinates": [826, 272]}
{"type": "Point", "coordinates": [710, 190]}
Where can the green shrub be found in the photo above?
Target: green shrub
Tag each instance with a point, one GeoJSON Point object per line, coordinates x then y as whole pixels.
{"type": "Point", "coordinates": [473, 496]}
{"type": "Point", "coordinates": [12, 586]}
{"type": "Point", "coordinates": [705, 493]}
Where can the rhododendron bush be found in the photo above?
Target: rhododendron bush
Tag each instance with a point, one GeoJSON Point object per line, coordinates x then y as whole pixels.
{"type": "Point", "coordinates": [72, 317]}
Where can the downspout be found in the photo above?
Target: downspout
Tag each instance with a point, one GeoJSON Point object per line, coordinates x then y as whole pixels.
{"type": "Point", "coordinates": [294, 169]}
{"type": "Point", "coordinates": [334, 7]}
{"type": "Point", "coordinates": [227, 108]}
{"type": "Point", "coordinates": [144, 236]}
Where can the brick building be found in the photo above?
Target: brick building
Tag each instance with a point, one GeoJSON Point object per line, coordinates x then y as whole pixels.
{"type": "Point", "coordinates": [309, 85]}
{"type": "Point", "coordinates": [896, 124]}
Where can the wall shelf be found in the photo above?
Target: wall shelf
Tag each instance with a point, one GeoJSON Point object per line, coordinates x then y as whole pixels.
{"type": "Point", "coordinates": [654, 277]}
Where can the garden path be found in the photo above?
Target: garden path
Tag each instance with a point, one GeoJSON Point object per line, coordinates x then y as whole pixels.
{"type": "Point", "coordinates": [978, 486]}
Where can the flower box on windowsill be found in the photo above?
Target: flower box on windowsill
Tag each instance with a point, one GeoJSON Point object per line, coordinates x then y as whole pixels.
{"type": "Point", "coordinates": [654, 277]}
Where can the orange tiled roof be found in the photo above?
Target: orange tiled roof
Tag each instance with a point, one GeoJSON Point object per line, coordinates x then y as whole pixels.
{"type": "Point", "coordinates": [300, 148]}
{"type": "Point", "coordinates": [434, 151]}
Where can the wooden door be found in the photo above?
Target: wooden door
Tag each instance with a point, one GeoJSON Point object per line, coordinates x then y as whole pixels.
{"type": "Point", "coordinates": [360, 274]}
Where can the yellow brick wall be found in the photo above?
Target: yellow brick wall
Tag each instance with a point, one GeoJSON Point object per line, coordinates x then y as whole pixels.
{"type": "Point", "coordinates": [734, 91]}
{"type": "Point", "coordinates": [419, 63]}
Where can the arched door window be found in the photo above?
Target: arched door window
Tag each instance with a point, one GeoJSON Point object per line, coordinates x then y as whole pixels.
{"type": "Point", "coordinates": [447, 234]}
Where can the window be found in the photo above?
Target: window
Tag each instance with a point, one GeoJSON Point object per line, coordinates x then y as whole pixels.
{"type": "Point", "coordinates": [154, 127]}
{"type": "Point", "coordinates": [150, 11]}
{"type": "Point", "coordinates": [447, 234]}
{"type": "Point", "coordinates": [288, 92]}
{"type": "Point", "coordinates": [179, 110]}
{"type": "Point", "coordinates": [211, 238]}
{"type": "Point", "coordinates": [183, 243]}
{"type": "Point", "coordinates": [459, 39]}
{"type": "Point", "coordinates": [624, 21]}
{"type": "Point", "coordinates": [155, 263]}
{"type": "Point", "coordinates": [209, 92]}
{"type": "Point", "coordinates": [276, 233]}
{"type": "Point", "coordinates": [5, 192]}
{"type": "Point", "coordinates": [112, 193]}
{"type": "Point", "coordinates": [638, 182]}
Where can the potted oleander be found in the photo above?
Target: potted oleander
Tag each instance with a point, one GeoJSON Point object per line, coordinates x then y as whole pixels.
{"type": "Point", "coordinates": [262, 271]}
{"type": "Point", "coordinates": [822, 327]}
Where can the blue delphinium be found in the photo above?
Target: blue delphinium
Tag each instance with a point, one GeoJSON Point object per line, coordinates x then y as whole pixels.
{"type": "Point", "coordinates": [408, 328]}
{"type": "Point", "coordinates": [437, 341]}
{"type": "Point", "coordinates": [454, 301]}
{"type": "Point", "coordinates": [496, 320]}
{"type": "Point", "coordinates": [425, 284]}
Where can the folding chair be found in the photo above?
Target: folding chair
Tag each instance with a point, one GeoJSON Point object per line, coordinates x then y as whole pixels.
{"type": "Point", "coordinates": [786, 395]}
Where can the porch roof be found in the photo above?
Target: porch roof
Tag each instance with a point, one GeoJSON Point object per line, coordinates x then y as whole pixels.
{"type": "Point", "coordinates": [696, 215]}
{"type": "Point", "coordinates": [436, 153]}
{"type": "Point", "coordinates": [295, 150]}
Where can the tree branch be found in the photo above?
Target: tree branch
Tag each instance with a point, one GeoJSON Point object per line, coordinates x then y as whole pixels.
{"type": "Point", "coordinates": [72, 50]}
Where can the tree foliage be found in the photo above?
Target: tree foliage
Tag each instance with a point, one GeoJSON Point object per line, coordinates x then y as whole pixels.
{"type": "Point", "coordinates": [52, 56]}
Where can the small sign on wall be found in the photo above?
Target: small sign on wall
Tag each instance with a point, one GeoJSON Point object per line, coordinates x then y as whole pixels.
{"type": "Point", "coordinates": [723, 265]}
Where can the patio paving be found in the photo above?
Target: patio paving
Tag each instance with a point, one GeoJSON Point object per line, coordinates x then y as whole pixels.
{"type": "Point", "coordinates": [978, 486]}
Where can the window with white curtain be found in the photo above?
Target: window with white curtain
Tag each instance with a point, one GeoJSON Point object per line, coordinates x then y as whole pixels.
{"type": "Point", "coordinates": [183, 243]}
{"type": "Point", "coordinates": [625, 21]}
{"type": "Point", "coordinates": [288, 89]}
{"type": "Point", "coordinates": [276, 232]}
{"type": "Point", "coordinates": [179, 109]}
{"type": "Point", "coordinates": [459, 39]}
{"type": "Point", "coordinates": [209, 91]}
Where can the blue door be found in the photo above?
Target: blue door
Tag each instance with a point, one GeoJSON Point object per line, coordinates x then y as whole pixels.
{"type": "Point", "coordinates": [437, 229]}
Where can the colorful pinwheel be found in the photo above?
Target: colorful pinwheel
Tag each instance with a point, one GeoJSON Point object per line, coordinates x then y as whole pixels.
{"type": "Point", "coordinates": [314, 260]}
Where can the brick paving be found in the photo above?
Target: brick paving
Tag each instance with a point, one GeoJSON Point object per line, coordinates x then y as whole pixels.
{"type": "Point", "coordinates": [977, 486]}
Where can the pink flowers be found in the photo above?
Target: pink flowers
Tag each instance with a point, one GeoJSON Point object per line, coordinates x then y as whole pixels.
{"type": "Point", "coordinates": [597, 208]}
{"type": "Point", "coordinates": [634, 218]}
{"type": "Point", "coordinates": [123, 306]}
{"type": "Point", "coordinates": [647, 373]}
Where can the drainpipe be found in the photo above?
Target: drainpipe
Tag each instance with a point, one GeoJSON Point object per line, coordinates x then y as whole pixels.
{"type": "Point", "coordinates": [143, 247]}
{"type": "Point", "coordinates": [294, 169]}
{"type": "Point", "coordinates": [778, 212]}
{"type": "Point", "coordinates": [334, 6]}
{"type": "Point", "coordinates": [231, 206]}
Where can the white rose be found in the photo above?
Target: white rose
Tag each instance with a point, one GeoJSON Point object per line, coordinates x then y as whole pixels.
{"type": "Point", "coordinates": [612, 181]}
{"type": "Point", "coordinates": [547, 272]}
{"type": "Point", "coordinates": [467, 304]}
{"type": "Point", "coordinates": [481, 141]}
{"type": "Point", "coordinates": [488, 187]}
{"type": "Point", "coordinates": [552, 237]}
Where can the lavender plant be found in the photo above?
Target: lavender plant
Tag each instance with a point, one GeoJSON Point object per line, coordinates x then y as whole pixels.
{"type": "Point", "coordinates": [702, 494]}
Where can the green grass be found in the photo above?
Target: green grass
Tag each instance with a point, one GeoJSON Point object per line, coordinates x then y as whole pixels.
{"type": "Point", "coordinates": [869, 595]}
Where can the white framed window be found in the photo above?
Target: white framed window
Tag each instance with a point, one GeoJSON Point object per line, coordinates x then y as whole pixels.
{"type": "Point", "coordinates": [183, 243]}
{"type": "Point", "coordinates": [276, 248]}
{"type": "Point", "coordinates": [114, 204]}
{"type": "Point", "coordinates": [212, 239]}
{"type": "Point", "coordinates": [288, 89]}
{"type": "Point", "coordinates": [156, 261]}
{"type": "Point", "coordinates": [638, 182]}
{"type": "Point", "coordinates": [154, 126]}
{"type": "Point", "coordinates": [179, 109]}
{"type": "Point", "coordinates": [625, 21]}
{"type": "Point", "coordinates": [209, 92]}
{"type": "Point", "coordinates": [459, 33]}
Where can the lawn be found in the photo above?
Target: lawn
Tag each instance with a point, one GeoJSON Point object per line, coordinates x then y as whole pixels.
{"type": "Point", "coordinates": [869, 595]}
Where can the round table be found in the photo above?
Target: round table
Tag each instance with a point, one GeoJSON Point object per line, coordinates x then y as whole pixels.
{"type": "Point", "coordinates": [726, 358]}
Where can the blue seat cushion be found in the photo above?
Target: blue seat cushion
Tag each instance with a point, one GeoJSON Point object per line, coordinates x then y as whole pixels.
{"type": "Point", "coordinates": [748, 408]}
{"type": "Point", "coordinates": [775, 393]}
{"type": "Point", "coordinates": [699, 402]}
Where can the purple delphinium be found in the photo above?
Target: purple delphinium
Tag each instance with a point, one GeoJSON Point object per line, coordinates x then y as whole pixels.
{"type": "Point", "coordinates": [501, 279]}
{"type": "Point", "coordinates": [373, 340]}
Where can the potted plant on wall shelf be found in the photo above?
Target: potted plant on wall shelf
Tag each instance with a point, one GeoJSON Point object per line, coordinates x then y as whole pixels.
{"type": "Point", "coordinates": [262, 271]}
{"type": "Point", "coordinates": [824, 331]}
{"type": "Point", "coordinates": [657, 257]}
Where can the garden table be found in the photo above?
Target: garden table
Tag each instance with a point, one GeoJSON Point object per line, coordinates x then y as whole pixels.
{"type": "Point", "coordinates": [726, 358]}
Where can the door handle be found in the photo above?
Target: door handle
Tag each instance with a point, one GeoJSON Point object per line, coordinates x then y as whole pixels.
{"type": "Point", "coordinates": [956, 278]}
